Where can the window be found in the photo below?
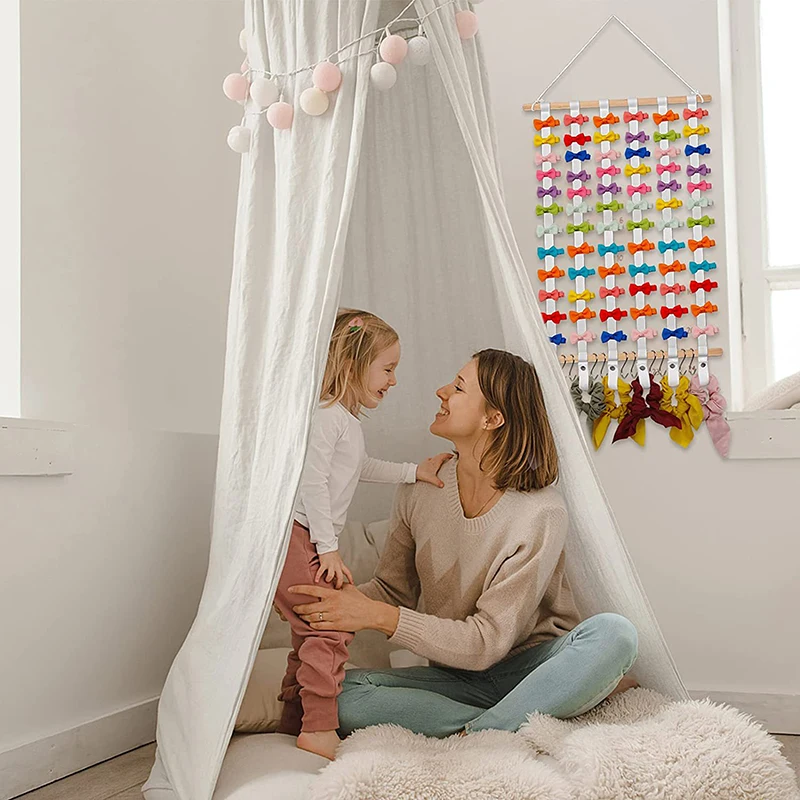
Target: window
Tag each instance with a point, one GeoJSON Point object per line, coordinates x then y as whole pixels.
{"type": "Point", "coordinates": [9, 211]}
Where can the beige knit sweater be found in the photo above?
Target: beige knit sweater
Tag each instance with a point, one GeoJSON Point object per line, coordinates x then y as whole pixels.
{"type": "Point", "coordinates": [484, 589]}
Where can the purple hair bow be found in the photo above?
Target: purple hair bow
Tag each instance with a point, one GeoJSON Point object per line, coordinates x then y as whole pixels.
{"type": "Point", "coordinates": [611, 188]}
{"type": "Point", "coordinates": [703, 169]}
{"type": "Point", "coordinates": [636, 137]}
{"type": "Point", "coordinates": [553, 191]}
{"type": "Point", "coordinates": [583, 175]}
{"type": "Point", "coordinates": [671, 186]}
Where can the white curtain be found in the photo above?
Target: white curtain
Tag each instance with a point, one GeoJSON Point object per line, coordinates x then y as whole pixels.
{"type": "Point", "coordinates": [394, 199]}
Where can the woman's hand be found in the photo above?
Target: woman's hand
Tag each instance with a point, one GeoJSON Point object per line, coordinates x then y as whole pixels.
{"type": "Point", "coordinates": [333, 569]}
{"type": "Point", "coordinates": [427, 471]}
{"type": "Point", "coordinates": [345, 609]}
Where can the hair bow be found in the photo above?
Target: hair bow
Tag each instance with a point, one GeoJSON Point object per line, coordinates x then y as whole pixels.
{"type": "Point", "coordinates": [673, 166]}
{"type": "Point", "coordinates": [556, 294]}
{"type": "Point", "coordinates": [617, 336]}
{"type": "Point", "coordinates": [678, 333]}
{"type": "Point", "coordinates": [614, 269]}
{"type": "Point", "coordinates": [550, 173]}
{"type": "Point", "coordinates": [611, 136]}
{"type": "Point", "coordinates": [646, 288]}
{"type": "Point", "coordinates": [701, 186]}
{"type": "Point", "coordinates": [614, 205]}
{"type": "Point", "coordinates": [676, 311]}
{"type": "Point", "coordinates": [639, 205]}
{"type": "Point", "coordinates": [608, 119]}
{"type": "Point", "coordinates": [704, 222]}
{"type": "Point", "coordinates": [640, 269]}
{"type": "Point", "coordinates": [642, 169]}
{"type": "Point", "coordinates": [663, 224]}
{"type": "Point", "coordinates": [713, 404]}
{"type": "Point", "coordinates": [639, 116]}
{"type": "Point", "coordinates": [610, 188]}
{"type": "Point", "coordinates": [701, 266]}
{"type": "Point", "coordinates": [700, 130]}
{"type": "Point", "coordinates": [556, 316]}
{"type": "Point", "coordinates": [541, 230]}
{"type": "Point", "coordinates": [684, 407]}
{"type": "Point", "coordinates": [355, 324]}
{"type": "Point", "coordinates": [587, 336]}
{"type": "Point", "coordinates": [646, 311]}
{"type": "Point", "coordinates": [642, 408]}
{"type": "Point", "coordinates": [673, 203]}
{"type": "Point", "coordinates": [550, 251]}
{"type": "Point", "coordinates": [584, 191]}
{"type": "Point", "coordinates": [645, 244]}
{"type": "Point", "coordinates": [670, 116]}
{"type": "Point", "coordinates": [672, 288]}
{"type": "Point", "coordinates": [602, 227]}
{"type": "Point", "coordinates": [584, 227]}
{"type": "Point", "coordinates": [553, 208]}
{"type": "Point", "coordinates": [615, 248]}
{"type": "Point", "coordinates": [580, 207]}
{"type": "Point", "coordinates": [675, 266]}
{"type": "Point", "coordinates": [703, 169]}
{"type": "Point", "coordinates": [611, 155]}
{"type": "Point", "coordinates": [581, 155]}
{"type": "Point", "coordinates": [545, 274]}
{"type": "Point", "coordinates": [640, 137]}
{"type": "Point", "coordinates": [580, 139]}
{"type": "Point", "coordinates": [550, 122]}
{"type": "Point", "coordinates": [646, 333]}
{"type": "Point", "coordinates": [616, 291]}
{"type": "Point", "coordinates": [553, 191]}
{"type": "Point", "coordinates": [582, 272]}
{"type": "Point", "coordinates": [707, 285]}
{"type": "Point", "coordinates": [668, 186]}
{"type": "Point", "coordinates": [698, 114]}
{"type": "Point", "coordinates": [577, 120]}
{"type": "Point", "coordinates": [701, 150]}
{"type": "Point", "coordinates": [642, 188]}
{"type": "Point", "coordinates": [706, 330]}
{"type": "Point", "coordinates": [558, 338]}
{"type": "Point", "coordinates": [612, 409]}
{"type": "Point", "coordinates": [550, 158]}
{"type": "Point", "coordinates": [696, 244]}
{"type": "Point", "coordinates": [641, 152]}
{"type": "Point", "coordinates": [585, 295]}
{"type": "Point", "coordinates": [612, 171]}
{"type": "Point", "coordinates": [670, 136]}
{"type": "Point", "coordinates": [542, 140]}
{"type": "Point", "coordinates": [671, 245]}
{"type": "Point", "coordinates": [587, 313]}
{"type": "Point", "coordinates": [644, 224]}
{"type": "Point", "coordinates": [615, 313]}
{"type": "Point", "coordinates": [669, 152]}
{"type": "Point", "coordinates": [707, 308]}
{"type": "Point", "coordinates": [581, 250]}
{"type": "Point", "coordinates": [583, 175]}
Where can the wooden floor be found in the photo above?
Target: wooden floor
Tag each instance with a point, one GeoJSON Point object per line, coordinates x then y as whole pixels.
{"type": "Point", "coordinates": [122, 777]}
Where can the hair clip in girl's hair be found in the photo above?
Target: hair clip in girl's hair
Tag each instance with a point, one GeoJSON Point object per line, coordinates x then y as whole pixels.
{"type": "Point", "coordinates": [356, 324]}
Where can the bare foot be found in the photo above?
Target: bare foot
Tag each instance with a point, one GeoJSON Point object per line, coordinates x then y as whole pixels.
{"type": "Point", "coordinates": [625, 684]}
{"type": "Point", "coordinates": [323, 743]}
{"type": "Point", "coordinates": [462, 732]}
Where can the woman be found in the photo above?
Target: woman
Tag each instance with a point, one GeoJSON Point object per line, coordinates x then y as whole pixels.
{"type": "Point", "coordinates": [486, 555]}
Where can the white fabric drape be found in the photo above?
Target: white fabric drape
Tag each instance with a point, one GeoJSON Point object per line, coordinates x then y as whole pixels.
{"type": "Point", "coordinates": [396, 199]}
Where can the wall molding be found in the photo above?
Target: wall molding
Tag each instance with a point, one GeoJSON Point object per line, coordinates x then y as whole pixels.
{"type": "Point", "coordinates": [778, 713]}
{"type": "Point", "coordinates": [43, 761]}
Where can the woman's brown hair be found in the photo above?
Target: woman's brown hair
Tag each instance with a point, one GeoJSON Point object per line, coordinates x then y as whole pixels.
{"type": "Point", "coordinates": [522, 453]}
{"type": "Point", "coordinates": [358, 339]}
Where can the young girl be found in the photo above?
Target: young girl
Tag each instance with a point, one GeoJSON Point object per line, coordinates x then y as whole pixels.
{"type": "Point", "coordinates": [362, 358]}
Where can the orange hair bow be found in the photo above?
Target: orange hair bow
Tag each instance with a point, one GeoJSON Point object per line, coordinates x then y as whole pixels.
{"type": "Point", "coordinates": [583, 250]}
{"type": "Point", "coordinates": [544, 274]}
{"type": "Point", "coordinates": [645, 244]}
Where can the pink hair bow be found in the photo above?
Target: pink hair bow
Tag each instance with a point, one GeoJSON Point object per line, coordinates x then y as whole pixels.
{"type": "Point", "coordinates": [612, 154]}
{"type": "Point", "coordinates": [582, 192]}
{"type": "Point", "coordinates": [673, 166]}
{"type": "Point", "coordinates": [588, 336]}
{"type": "Point", "coordinates": [551, 173]}
{"type": "Point", "coordinates": [676, 288]}
{"type": "Point", "coordinates": [615, 292]}
{"type": "Point", "coordinates": [703, 186]}
{"type": "Point", "coordinates": [550, 158]}
{"type": "Point", "coordinates": [554, 295]}
{"type": "Point", "coordinates": [647, 333]}
{"type": "Point", "coordinates": [708, 330]}
{"type": "Point", "coordinates": [642, 187]}
{"type": "Point", "coordinates": [672, 152]}
{"type": "Point", "coordinates": [612, 170]}
{"type": "Point", "coordinates": [714, 405]}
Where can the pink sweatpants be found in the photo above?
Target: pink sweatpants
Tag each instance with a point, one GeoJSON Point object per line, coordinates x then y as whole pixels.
{"type": "Point", "coordinates": [315, 667]}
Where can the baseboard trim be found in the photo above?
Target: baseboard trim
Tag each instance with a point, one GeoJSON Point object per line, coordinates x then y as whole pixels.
{"type": "Point", "coordinates": [43, 761]}
{"type": "Point", "coordinates": [778, 713]}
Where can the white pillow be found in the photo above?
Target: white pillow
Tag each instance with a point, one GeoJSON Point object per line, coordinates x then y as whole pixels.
{"type": "Point", "coordinates": [784, 393]}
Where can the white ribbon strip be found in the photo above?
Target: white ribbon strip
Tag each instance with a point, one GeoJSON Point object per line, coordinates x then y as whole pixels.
{"type": "Point", "coordinates": [547, 221]}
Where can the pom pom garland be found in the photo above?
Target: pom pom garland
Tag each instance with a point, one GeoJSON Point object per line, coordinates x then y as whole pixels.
{"type": "Point", "coordinates": [383, 75]}
{"type": "Point", "coordinates": [239, 139]}
{"type": "Point", "coordinates": [467, 24]}
{"type": "Point", "coordinates": [264, 92]}
{"type": "Point", "coordinates": [327, 76]}
{"type": "Point", "coordinates": [280, 115]}
{"type": "Point", "coordinates": [243, 40]}
{"type": "Point", "coordinates": [235, 86]}
{"type": "Point", "coordinates": [419, 51]}
{"type": "Point", "coordinates": [393, 49]}
{"type": "Point", "coordinates": [314, 102]}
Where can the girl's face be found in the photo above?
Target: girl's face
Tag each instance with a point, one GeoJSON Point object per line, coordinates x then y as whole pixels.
{"type": "Point", "coordinates": [380, 377]}
{"type": "Point", "coordinates": [463, 414]}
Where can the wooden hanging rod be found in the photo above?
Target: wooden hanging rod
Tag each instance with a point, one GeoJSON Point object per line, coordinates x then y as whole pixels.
{"type": "Point", "coordinates": [642, 101]}
{"type": "Point", "coordinates": [713, 352]}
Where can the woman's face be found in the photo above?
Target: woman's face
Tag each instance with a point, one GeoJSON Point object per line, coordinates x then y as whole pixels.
{"type": "Point", "coordinates": [463, 411]}
{"type": "Point", "coordinates": [381, 375]}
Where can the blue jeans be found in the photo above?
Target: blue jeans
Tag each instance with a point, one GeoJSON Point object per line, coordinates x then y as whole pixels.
{"type": "Point", "coordinates": [562, 677]}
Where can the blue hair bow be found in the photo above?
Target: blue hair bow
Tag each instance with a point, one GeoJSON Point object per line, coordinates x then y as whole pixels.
{"type": "Point", "coordinates": [640, 269]}
{"type": "Point", "coordinates": [583, 272]}
{"type": "Point", "coordinates": [701, 150]}
{"type": "Point", "coordinates": [614, 248]}
{"type": "Point", "coordinates": [642, 152]}
{"type": "Point", "coordinates": [702, 266]}
{"type": "Point", "coordinates": [559, 338]}
{"type": "Point", "coordinates": [678, 333]}
{"type": "Point", "coordinates": [673, 245]}
{"type": "Point", "coordinates": [550, 251]}
{"type": "Point", "coordinates": [618, 336]}
{"type": "Point", "coordinates": [581, 155]}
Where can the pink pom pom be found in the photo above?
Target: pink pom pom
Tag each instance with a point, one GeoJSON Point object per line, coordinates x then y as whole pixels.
{"type": "Point", "coordinates": [467, 24]}
{"type": "Point", "coordinates": [236, 87]}
{"type": "Point", "coordinates": [393, 49]}
{"type": "Point", "coordinates": [280, 115]}
{"type": "Point", "coordinates": [327, 76]}
{"type": "Point", "coordinates": [245, 66]}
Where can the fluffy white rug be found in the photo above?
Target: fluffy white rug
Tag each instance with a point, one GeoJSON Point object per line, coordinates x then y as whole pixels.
{"type": "Point", "coordinates": [635, 746]}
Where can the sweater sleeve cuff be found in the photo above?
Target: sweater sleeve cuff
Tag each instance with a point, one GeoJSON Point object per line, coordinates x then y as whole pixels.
{"type": "Point", "coordinates": [411, 474]}
{"type": "Point", "coordinates": [410, 629]}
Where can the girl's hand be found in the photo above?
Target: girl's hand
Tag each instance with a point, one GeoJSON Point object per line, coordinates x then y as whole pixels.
{"type": "Point", "coordinates": [333, 570]}
{"type": "Point", "coordinates": [427, 471]}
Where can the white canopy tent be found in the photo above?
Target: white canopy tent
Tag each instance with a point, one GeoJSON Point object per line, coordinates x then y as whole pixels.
{"type": "Point", "coordinates": [390, 201]}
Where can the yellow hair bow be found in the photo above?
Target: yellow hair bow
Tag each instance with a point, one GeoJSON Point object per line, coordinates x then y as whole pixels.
{"type": "Point", "coordinates": [687, 409]}
{"type": "Point", "coordinates": [584, 295]}
{"type": "Point", "coordinates": [674, 203]}
{"type": "Point", "coordinates": [613, 410]}
{"type": "Point", "coordinates": [611, 136]}
{"type": "Point", "coordinates": [700, 130]}
{"type": "Point", "coordinates": [551, 139]}
{"type": "Point", "coordinates": [642, 169]}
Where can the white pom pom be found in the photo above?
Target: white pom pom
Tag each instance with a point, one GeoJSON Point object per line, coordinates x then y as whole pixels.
{"type": "Point", "coordinates": [314, 101]}
{"type": "Point", "coordinates": [383, 76]}
{"type": "Point", "coordinates": [243, 40]}
{"type": "Point", "coordinates": [239, 139]}
{"type": "Point", "coordinates": [419, 51]}
{"type": "Point", "coordinates": [264, 92]}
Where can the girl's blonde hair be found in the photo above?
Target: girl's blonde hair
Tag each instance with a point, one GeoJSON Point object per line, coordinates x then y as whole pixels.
{"type": "Point", "coordinates": [358, 339]}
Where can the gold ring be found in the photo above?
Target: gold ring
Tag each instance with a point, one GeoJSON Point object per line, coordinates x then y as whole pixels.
{"type": "Point", "coordinates": [320, 615]}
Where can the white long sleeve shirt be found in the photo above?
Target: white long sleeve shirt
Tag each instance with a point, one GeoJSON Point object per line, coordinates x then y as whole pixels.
{"type": "Point", "coordinates": [336, 461]}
